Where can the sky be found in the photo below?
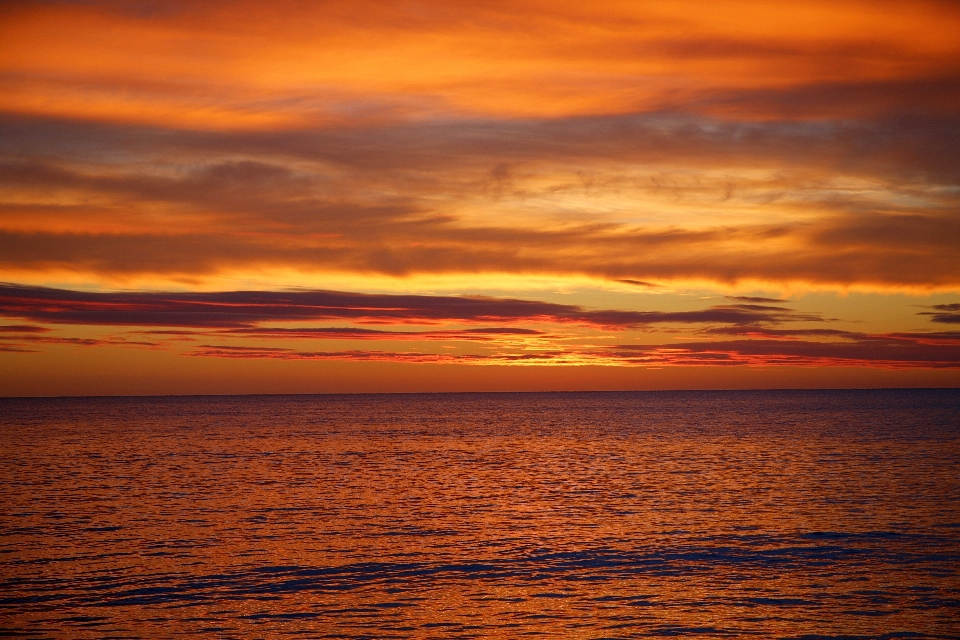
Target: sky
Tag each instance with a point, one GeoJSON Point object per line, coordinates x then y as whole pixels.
{"type": "Point", "coordinates": [310, 197]}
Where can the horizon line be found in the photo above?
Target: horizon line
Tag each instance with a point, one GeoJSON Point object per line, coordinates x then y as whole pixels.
{"type": "Point", "coordinates": [437, 393]}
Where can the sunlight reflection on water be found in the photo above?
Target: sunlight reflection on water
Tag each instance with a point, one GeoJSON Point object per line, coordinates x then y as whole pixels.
{"type": "Point", "coordinates": [781, 514]}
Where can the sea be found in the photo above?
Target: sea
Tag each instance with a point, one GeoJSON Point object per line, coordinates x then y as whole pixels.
{"type": "Point", "coordinates": [770, 514]}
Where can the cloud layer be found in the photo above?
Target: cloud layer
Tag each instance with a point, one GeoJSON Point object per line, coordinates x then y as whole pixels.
{"type": "Point", "coordinates": [611, 198]}
{"type": "Point", "coordinates": [260, 325]}
{"type": "Point", "coordinates": [809, 143]}
{"type": "Point", "coordinates": [682, 172]}
{"type": "Point", "coordinates": [245, 309]}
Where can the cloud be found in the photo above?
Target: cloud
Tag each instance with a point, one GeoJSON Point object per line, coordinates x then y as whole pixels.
{"type": "Point", "coordinates": [637, 283]}
{"type": "Point", "coordinates": [756, 299]}
{"type": "Point", "coordinates": [945, 313]}
{"type": "Point", "coordinates": [658, 197]}
{"type": "Point", "coordinates": [892, 351]}
{"type": "Point", "coordinates": [29, 343]}
{"type": "Point", "coordinates": [249, 64]}
{"type": "Point", "coordinates": [882, 351]}
{"type": "Point", "coordinates": [882, 251]}
{"type": "Point", "coordinates": [862, 99]}
{"type": "Point", "coordinates": [22, 328]}
{"type": "Point", "coordinates": [236, 324]}
{"type": "Point", "coordinates": [243, 310]}
{"type": "Point", "coordinates": [482, 334]}
{"type": "Point", "coordinates": [281, 353]}
{"type": "Point", "coordinates": [899, 145]}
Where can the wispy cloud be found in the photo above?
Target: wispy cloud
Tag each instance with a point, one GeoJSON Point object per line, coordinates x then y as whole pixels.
{"type": "Point", "coordinates": [945, 313]}
{"type": "Point", "coordinates": [243, 325]}
{"type": "Point", "coordinates": [636, 199]}
{"type": "Point", "coordinates": [882, 351]}
{"type": "Point", "coordinates": [244, 309]}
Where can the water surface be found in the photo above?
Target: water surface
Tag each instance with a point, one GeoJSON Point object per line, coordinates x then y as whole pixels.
{"type": "Point", "coordinates": [588, 515]}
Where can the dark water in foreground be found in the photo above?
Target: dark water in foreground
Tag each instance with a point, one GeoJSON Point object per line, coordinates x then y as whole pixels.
{"type": "Point", "coordinates": [595, 515]}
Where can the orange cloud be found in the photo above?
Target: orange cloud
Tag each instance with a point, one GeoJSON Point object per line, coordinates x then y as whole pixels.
{"type": "Point", "coordinates": [249, 65]}
{"type": "Point", "coordinates": [841, 205]}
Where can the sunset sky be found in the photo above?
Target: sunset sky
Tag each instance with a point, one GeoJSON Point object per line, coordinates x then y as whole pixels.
{"type": "Point", "coordinates": [231, 197]}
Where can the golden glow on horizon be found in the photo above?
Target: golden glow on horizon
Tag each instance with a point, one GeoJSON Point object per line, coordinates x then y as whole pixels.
{"type": "Point", "coordinates": [529, 285]}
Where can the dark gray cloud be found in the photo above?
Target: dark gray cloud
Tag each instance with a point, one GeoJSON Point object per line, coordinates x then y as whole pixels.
{"type": "Point", "coordinates": [901, 350]}
{"type": "Point", "coordinates": [945, 313]}
{"type": "Point", "coordinates": [898, 144]}
{"type": "Point", "coordinates": [22, 328]}
{"type": "Point", "coordinates": [246, 309]}
{"type": "Point", "coordinates": [756, 299]}
{"type": "Point", "coordinates": [482, 334]}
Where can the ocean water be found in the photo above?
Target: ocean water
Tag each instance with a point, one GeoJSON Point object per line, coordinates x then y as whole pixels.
{"type": "Point", "coordinates": [791, 514]}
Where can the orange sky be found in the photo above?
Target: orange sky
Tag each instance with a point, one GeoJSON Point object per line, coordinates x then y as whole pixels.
{"type": "Point", "coordinates": [638, 195]}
